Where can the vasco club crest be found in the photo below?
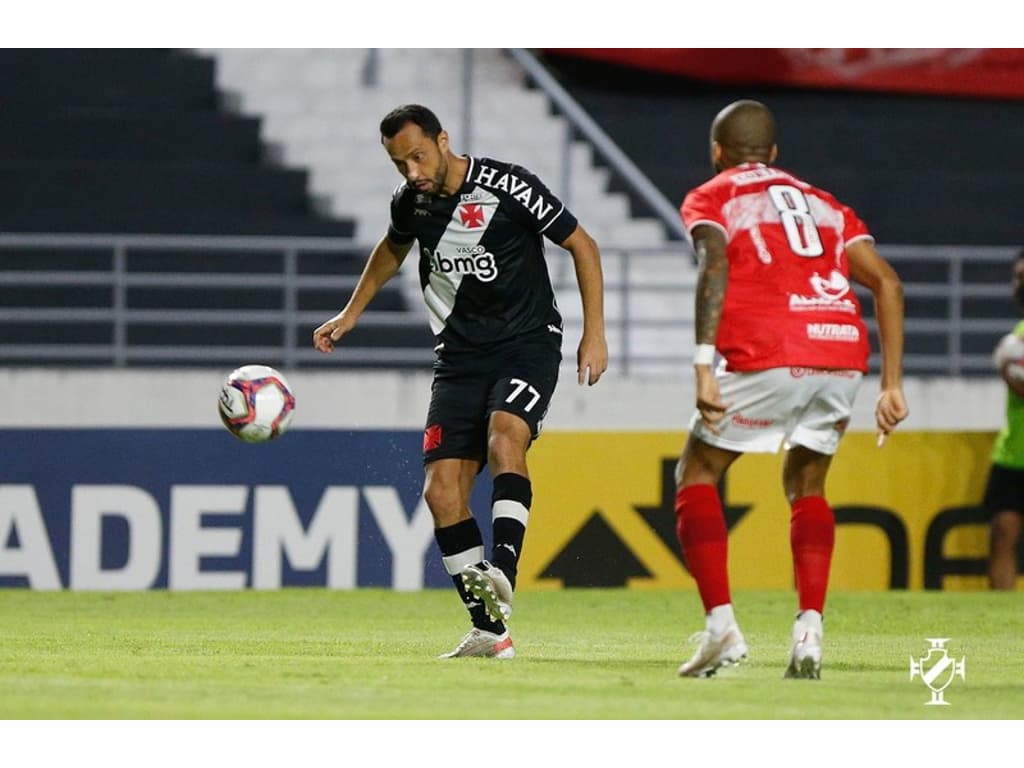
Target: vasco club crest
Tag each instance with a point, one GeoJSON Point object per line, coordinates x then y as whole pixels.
{"type": "Point", "coordinates": [937, 669]}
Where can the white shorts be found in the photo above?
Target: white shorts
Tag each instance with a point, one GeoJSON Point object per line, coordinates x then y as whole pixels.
{"type": "Point", "coordinates": [791, 406]}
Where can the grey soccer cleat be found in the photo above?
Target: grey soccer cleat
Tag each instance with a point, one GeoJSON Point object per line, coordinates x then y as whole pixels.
{"type": "Point", "coordinates": [715, 650]}
{"type": "Point", "coordinates": [490, 585]}
{"type": "Point", "coordinates": [805, 654]}
{"type": "Point", "coordinates": [479, 642]}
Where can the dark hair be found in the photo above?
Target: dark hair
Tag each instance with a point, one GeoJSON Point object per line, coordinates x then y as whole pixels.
{"type": "Point", "coordinates": [399, 117]}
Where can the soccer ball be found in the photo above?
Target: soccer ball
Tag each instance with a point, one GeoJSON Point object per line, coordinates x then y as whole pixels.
{"type": "Point", "coordinates": [1009, 356]}
{"type": "Point", "coordinates": [256, 403]}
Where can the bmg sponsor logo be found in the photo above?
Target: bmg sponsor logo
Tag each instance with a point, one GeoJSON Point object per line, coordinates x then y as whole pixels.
{"type": "Point", "coordinates": [472, 260]}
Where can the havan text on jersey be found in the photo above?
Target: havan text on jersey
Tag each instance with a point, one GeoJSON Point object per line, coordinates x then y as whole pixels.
{"type": "Point", "coordinates": [519, 189]}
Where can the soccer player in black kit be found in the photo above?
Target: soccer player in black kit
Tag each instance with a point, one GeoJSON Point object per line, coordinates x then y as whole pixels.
{"type": "Point", "coordinates": [480, 224]}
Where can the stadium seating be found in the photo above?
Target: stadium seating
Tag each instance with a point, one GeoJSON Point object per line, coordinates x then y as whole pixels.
{"type": "Point", "coordinates": [122, 140]}
{"type": "Point", "coordinates": [137, 143]}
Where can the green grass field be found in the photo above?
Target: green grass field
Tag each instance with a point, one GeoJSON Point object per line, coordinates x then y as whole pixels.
{"type": "Point", "coordinates": [582, 654]}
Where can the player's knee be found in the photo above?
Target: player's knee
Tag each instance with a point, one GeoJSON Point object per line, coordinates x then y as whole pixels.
{"type": "Point", "coordinates": [803, 481]}
{"type": "Point", "coordinates": [803, 491]}
{"type": "Point", "coordinates": [443, 499]}
{"type": "Point", "coordinates": [695, 468]}
{"type": "Point", "coordinates": [695, 473]}
{"type": "Point", "coordinates": [506, 444]}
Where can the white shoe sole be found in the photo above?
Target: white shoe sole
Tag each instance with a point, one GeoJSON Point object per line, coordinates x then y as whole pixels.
{"type": "Point", "coordinates": [805, 656]}
{"type": "Point", "coordinates": [483, 590]}
{"type": "Point", "coordinates": [807, 668]}
{"type": "Point", "coordinates": [732, 656]}
{"type": "Point", "coordinates": [503, 649]}
{"type": "Point", "coordinates": [712, 670]}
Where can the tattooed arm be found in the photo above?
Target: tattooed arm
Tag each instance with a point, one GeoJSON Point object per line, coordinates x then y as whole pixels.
{"type": "Point", "coordinates": [712, 279]}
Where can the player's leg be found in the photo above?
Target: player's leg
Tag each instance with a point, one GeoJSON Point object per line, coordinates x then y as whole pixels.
{"type": "Point", "coordinates": [493, 581]}
{"type": "Point", "coordinates": [811, 445]}
{"type": "Point", "coordinates": [453, 452]}
{"type": "Point", "coordinates": [700, 521]}
{"type": "Point", "coordinates": [704, 540]}
{"type": "Point", "coordinates": [1004, 535]}
{"type": "Point", "coordinates": [509, 438]}
{"type": "Point", "coordinates": [524, 381]}
{"type": "Point", "coordinates": [449, 483]}
{"type": "Point", "coordinates": [1004, 497]}
{"type": "Point", "coordinates": [750, 424]}
{"type": "Point", "coordinates": [812, 524]}
{"type": "Point", "coordinates": [812, 538]}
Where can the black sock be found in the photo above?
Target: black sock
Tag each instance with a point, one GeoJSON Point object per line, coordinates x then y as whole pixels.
{"type": "Point", "coordinates": [461, 545]}
{"type": "Point", "coordinates": [510, 510]}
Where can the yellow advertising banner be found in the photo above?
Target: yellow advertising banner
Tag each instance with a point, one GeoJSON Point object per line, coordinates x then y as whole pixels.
{"type": "Point", "coordinates": [908, 515]}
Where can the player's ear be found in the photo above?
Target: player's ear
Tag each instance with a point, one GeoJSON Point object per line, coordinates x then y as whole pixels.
{"type": "Point", "coordinates": [442, 141]}
{"type": "Point", "coordinates": [716, 155]}
{"type": "Point", "coordinates": [773, 154]}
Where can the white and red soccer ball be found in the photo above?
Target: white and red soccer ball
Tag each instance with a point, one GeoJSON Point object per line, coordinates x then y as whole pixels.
{"type": "Point", "coordinates": [256, 404]}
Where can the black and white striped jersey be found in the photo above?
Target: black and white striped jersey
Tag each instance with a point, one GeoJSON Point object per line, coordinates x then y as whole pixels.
{"type": "Point", "coordinates": [482, 264]}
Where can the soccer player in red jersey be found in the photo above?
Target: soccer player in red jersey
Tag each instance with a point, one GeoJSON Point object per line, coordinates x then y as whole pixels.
{"type": "Point", "coordinates": [775, 305]}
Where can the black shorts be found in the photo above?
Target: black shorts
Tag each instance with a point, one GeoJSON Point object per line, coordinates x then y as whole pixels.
{"type": "Point", "coordinates": [1004, 490]}
{"type": "Point", "coordinates": [518, 377]}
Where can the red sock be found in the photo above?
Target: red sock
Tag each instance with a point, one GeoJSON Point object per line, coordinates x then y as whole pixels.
{"type": "Point", "coordinates": [700, 526]}
{"type": "Point", "coordinates": [812, 532]}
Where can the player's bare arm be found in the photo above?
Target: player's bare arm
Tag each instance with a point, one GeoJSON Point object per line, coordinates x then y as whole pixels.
{"type": "Point", "coordinates": [868, 268]}
{"type": "Point", "coordinates": [592, 354]}
{"type": "Point", "coordinates": [712, 279]}
{"type": "Point", "coordinates": [383, 264]}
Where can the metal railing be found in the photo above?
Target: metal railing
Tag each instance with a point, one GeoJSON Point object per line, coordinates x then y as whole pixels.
{"type": "Point", "coordinates": [52, 270]}
{"type": "Point", "coordinates": [82, 300]}
{"type": "Point", "coordinates": [973, 285]}
{"type": "Point", "coordinates": [583, 124]}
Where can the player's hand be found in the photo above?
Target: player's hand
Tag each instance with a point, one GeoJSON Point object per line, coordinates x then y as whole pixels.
{"type": "Point", "coordinates": [591, 359]}
{"type": "Point", "coordinates": [709, 399]}
{"type": "Point", "coordinates": [328, 333]}
{"type": "Point", "coordinates": [890, 410]}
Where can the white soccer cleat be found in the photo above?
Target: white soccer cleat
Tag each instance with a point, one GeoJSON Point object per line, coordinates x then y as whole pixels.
{"type": "Point", "coordinates": [479, 642]}
{"type": "Point", "coordinates": [490, 585]}
{"type": "Point", "coordinates": [715, 650]}
{"type": "Point", "coordinates": [805, 654]}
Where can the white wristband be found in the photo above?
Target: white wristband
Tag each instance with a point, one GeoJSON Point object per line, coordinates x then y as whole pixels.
{"type": "Point", "coordinates": [704, 354]}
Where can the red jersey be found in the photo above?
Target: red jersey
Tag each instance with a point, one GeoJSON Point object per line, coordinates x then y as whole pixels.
{"type": "Point", "coordinates": [789, 301]}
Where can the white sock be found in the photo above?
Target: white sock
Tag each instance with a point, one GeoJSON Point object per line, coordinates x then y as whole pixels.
{"type": "Point", "coordinates": [811, 620]}
{"type": "Point", "coordinates": [720, 617]}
